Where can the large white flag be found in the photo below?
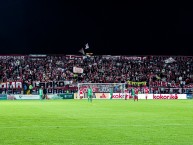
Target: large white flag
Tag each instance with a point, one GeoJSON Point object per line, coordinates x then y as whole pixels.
{"type": "Point", "coordinates": [82, 51]}
{"type": "Point", "coordinates": [87, 46]}
{"type": "Point", "coordinates": [169, 60]}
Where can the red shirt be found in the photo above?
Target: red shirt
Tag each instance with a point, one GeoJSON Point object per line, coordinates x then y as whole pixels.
{"type": "Point", "coordinates": [136, 91]}
{"type": "Point", "coordinates": [146, 90]}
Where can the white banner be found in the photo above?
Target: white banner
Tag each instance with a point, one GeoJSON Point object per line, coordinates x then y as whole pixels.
{"type": "Point", "coordinates": [118, 96]}
{"type": "Point", "coordinates": [162, 96]}
{"type": "Point", "coordinates": [105, 96]}
{"type": "Point", "coordinates": [110, 57]}
{"type": "Point", "coordinates": [77, 70]}
{"type": "Point", "coordinates": [23, 97]}
{"type": "Point", "coordinates": [38, 55]}
{"type": "Point", "coordinates": [74, 57]}
{"type": "Point", "coordinates": [13, 85]}
{"type": "Point", "coordinates": [102, 95]}
{"type": "Point", "coordinates": [121, 96]}
{"type": "Point", "coordinates": [6, 57]}
{"type": "Point", "coordinates": [133, 58]}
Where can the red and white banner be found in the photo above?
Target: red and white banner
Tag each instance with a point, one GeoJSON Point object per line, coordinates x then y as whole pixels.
{"type": "Point", "coordinates": [162, 96]}
{"type": "Point", "coordinates": [77, 70]}
{"type": "Point", "coordinates": [102, 95]}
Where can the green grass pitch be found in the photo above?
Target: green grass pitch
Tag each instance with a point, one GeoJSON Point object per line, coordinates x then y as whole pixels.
{"type": "Point", "coordinates": [102, 122]}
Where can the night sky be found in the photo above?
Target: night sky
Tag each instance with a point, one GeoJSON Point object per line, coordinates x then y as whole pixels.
{"type": "Point", "coordinates": [132, 28]}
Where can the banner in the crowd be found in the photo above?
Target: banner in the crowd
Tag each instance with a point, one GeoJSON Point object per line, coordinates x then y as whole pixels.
{"type": "Point", "coordinates": [74, 57]}
{"type": "Point", "coordinates": [136, 83]}
{"type": "Point", "coordinates": [133, 58]}
{"type": "Point", "coordinates": [177, 58]}
{"type": "Point", "coordinates": [61, 90]}
{"type": "Point", "coordinates": [124, 57]}
{"type": "Point", "coordinates": [23, 97]}
{"type": "Point", "coordinates": [11, 91]}
{"type": "Point", "coordinates": [83, 89]}
{"type": "Point", "coordinates": [15, 57]}
{"type": "Point", "coordinates": [162, 96]}
{"type": "Point", "coordinates": [77, 70]}
{"type": "Point", "coordinates": [166, 84]}
{"type": "Point", "coordinates": [37, 55]}
{"type": "Point", "coordinates": [101, 88]}
{"type": "Point", "coordinates": [3, 97]}
{"type": "Point", "coordinates": [67, 57]}
{"type": "Point", "coordinates": [163, 84]}
{"type": "Point", "coordinates": [11, 85]}
{"type": "Point", "coordinates": [110, 57]}
{"type": "Point", "coordinates": [53, 84]}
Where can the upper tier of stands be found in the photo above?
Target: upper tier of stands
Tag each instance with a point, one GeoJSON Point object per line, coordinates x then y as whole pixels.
{"type": "Point", "coordinates": [97, 69]}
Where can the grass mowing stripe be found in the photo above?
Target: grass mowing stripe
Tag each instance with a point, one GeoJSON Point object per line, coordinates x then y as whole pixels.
{"type": "Point", "coordinates": [104, 126]}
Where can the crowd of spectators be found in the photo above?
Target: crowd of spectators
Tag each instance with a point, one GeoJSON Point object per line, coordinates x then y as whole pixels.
{"type": "Point", "coordinates": [98, 69]}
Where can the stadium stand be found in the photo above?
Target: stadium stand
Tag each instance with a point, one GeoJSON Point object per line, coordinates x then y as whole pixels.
{"type": "Point", "coordinates": [156, 71]}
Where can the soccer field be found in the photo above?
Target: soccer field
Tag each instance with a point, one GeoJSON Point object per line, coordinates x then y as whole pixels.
{"type": "Point", "coordinates": [102, 122]}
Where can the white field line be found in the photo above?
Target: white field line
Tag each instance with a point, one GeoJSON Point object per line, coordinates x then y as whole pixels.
{"type": "Point", "coordinates": [85, 126]}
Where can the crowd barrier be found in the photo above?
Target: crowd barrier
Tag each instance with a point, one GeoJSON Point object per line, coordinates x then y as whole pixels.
{"type": "Point", "coordinates": [36, 97]}
{"type": "Point", "coordinates": [99, 96]}
{"type": "Point", "coordinates": [61, 96]}
{"type": "Point", "coordinates": [23, 97]}
{"type": "Point", "coordinates": [140, 96]}
{"type": "Point", "coordinates": [162, 96]}
{"type": "Point", "coordinates": [3, 97]}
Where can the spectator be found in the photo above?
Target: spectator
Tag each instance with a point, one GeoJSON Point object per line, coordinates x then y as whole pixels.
{"type": "Point", "coordinates": [45, 93]}
{"type": "Point", "coordinates": [25, 88]}
{"type": "Point", "coordinates": [99, 69]}
{"type": "Point", "coordinates": [30, 88]}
